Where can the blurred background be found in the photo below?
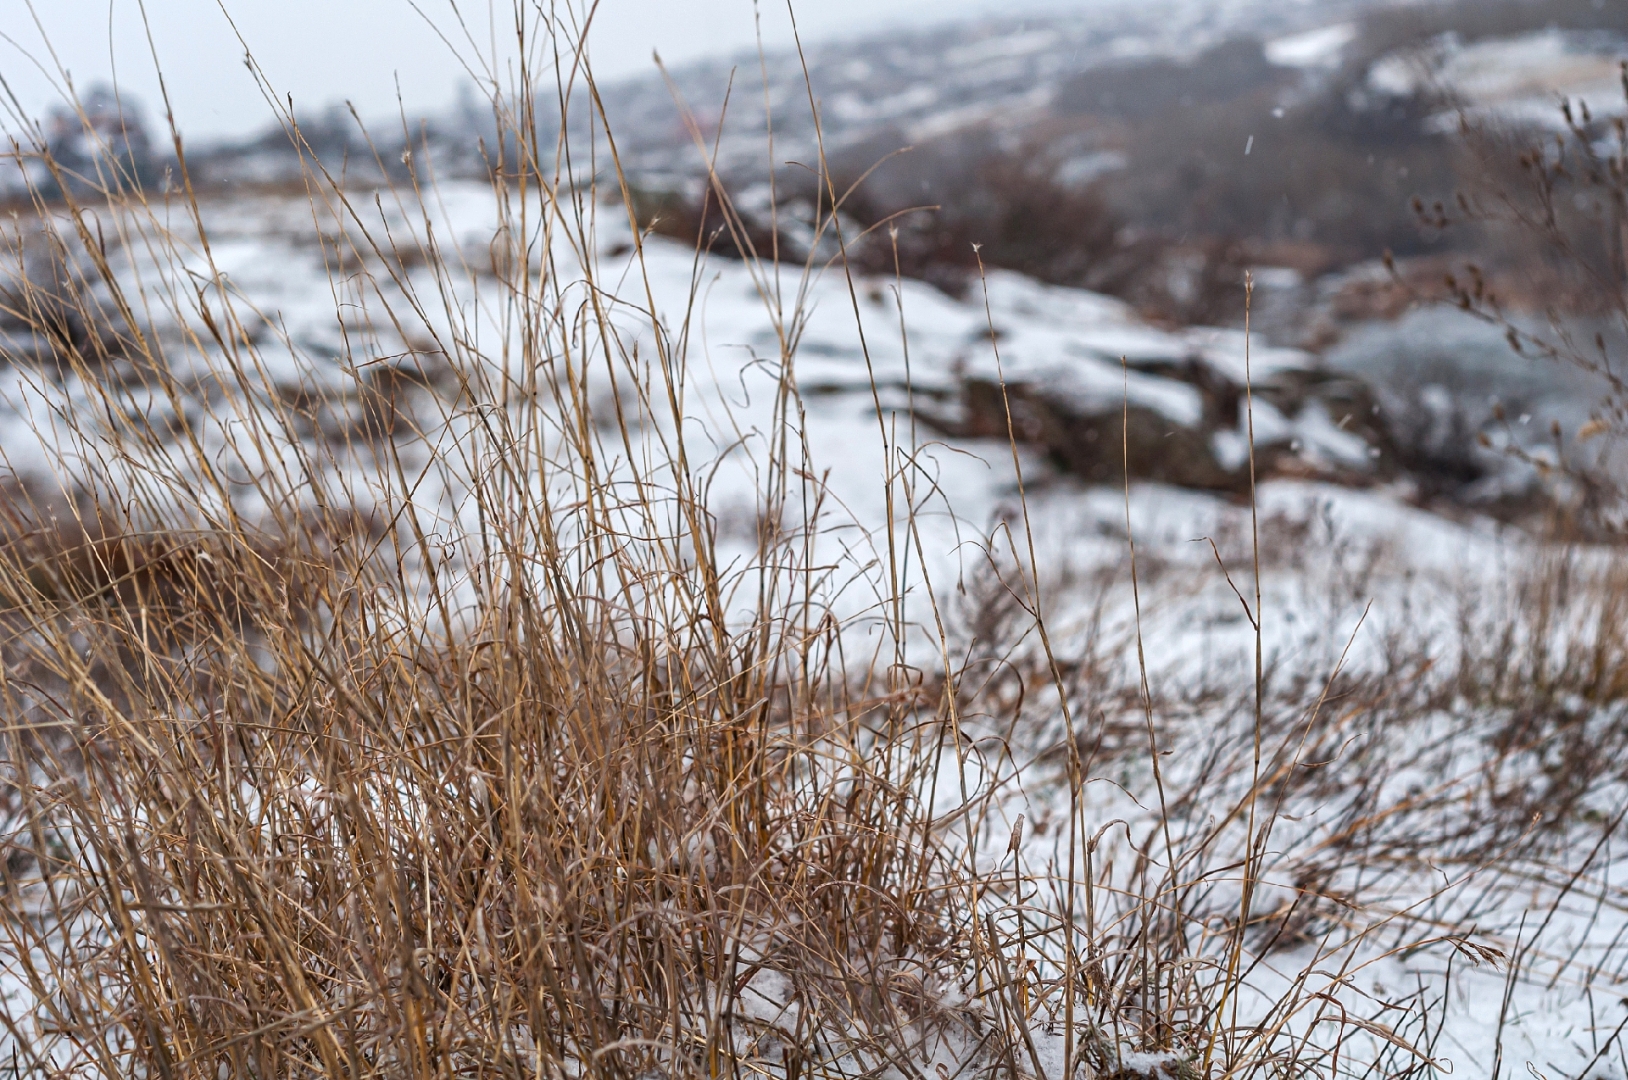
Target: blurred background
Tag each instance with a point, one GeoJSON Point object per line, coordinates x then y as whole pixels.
{"type": "Point", "coordinates": [1361, 160]}
{"type": "Point", "coordinates": [325, 52]}
{"type": "Point", "coordinates": [1163, 144]}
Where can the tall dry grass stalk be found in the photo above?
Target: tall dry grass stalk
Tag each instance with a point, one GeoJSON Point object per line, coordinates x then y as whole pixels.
{"type": "Point", "coordinates": [408, 716]}
{"type": "Point", "coordinates": [349, 740]}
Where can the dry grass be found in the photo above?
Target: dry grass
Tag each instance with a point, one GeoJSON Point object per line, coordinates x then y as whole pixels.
{"type": "Point", "coordinates": [458, 739]}
{"type": "Point", "coordinates": [313, 774]}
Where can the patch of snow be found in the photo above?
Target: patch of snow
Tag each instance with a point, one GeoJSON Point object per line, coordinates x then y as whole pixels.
{"type": "Point", "coordinates": [1241, 359]}
{"type": "Point", "coordinates": [1231, 448]}
{"type": "Point", "coordinates": [1321, 48]}
{"type": "Point", "coordinates": [1516, 79]}
{"type": "Point", "coordinates": [1535, 65]}
{"type": "Point", "coordinates": [1278, 277]}
{"type": "Point", "coordinates": [1322, 438]}
{"type": "Point", "coordinates": [1088, 168]}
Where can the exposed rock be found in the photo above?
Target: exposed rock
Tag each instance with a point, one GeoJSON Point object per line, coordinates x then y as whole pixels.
{"type": "Point", "coordinates": [1308, 424]}
{"type": "Point", "coordinates": [1096, 446]}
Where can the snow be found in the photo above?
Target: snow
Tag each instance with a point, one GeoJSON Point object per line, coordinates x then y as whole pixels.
{"type": "Point", "coordinates": [1086, 169]}
{"type": "Point", "coordinates": [935, 77]}
{"type": "Point", "coordinates": [1332, 550]}
{"type": "Point", "coordinates": [1240, 358]}
{"type": "Point", "coordinates": [1515, 79]}
{"type": "Point", "coordinates": [1323, 47]}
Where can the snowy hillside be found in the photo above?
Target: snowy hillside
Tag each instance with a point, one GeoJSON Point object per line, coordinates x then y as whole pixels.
{"type": "Point", "coordinates": [915, 85]}
{"type": "Point", "coordinates": [1513, 79]}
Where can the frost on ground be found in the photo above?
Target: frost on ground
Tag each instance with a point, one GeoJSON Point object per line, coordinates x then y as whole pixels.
{"type": "Point", "coordinates": [1390, 837]}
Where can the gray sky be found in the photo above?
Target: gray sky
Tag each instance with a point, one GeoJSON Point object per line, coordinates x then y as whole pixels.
{"type": "Point", "coordinates": [325, 51]}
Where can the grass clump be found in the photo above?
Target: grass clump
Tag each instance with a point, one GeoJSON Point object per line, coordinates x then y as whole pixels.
{"type": "Point", "coordinates": [447, 746]}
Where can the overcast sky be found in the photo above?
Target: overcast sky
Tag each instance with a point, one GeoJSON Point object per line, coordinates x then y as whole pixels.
{"type": "Point", "coordinates": [325, 51]}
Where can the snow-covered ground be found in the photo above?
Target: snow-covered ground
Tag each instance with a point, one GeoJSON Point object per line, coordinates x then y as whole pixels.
{"type": "Point", "coordinates": [913, 84]}
{"type": "Point", "coordinates": [1512, 79]}
{"type": "Point", "coordinates": [1354, 582]}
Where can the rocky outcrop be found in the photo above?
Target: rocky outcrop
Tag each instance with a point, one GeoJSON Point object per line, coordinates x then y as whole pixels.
{"type": "Point", "coordinates": [1309, 424]}
{"type": "Point", "coordinates": [1094, 445]}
